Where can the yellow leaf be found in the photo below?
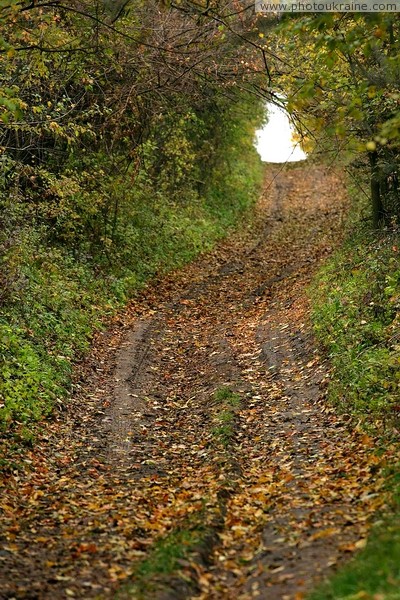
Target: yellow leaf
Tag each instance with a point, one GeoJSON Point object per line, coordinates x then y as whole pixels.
{"type": "Point", "coordinates": [324, 533]}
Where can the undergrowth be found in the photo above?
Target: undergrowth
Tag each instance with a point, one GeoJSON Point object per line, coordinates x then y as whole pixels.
{"type": "Point", "coordinates": [356, 302]}
{"type": "Point", "coordinates": [356, 317]}
{"type": "Point", "coordinates": [68, 263]}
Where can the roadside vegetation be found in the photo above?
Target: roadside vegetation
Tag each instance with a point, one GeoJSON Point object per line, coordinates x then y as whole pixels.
{"type": "Point", "coordinates": [55, 294]}
{"type": "Point", "coordinates": [355, 299]}
{"type": "Point", "coordinates": [374, 573]}
{"type": "Point", "coordinates": [119, 159]}
{"type": "Point", "coordinates": [342, 85]}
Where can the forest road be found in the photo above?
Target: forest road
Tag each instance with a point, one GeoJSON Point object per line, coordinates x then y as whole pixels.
{"type": "Point", "coordinates": [198, 457]}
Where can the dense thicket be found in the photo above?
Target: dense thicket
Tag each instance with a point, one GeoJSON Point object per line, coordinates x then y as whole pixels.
{"type": "Point", "coordinates": [126, 147]}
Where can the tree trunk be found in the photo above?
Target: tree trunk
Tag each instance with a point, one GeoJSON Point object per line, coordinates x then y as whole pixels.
{"type": "Point", "coordinates": [378, 211]}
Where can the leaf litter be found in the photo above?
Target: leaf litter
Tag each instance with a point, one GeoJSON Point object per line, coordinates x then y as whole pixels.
{"type": "Point", "coordinates": [202, 405]}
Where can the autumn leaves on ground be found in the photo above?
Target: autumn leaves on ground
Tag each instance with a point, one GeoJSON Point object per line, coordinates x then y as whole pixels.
{"type": "Point", "coordinates": [198, 457]}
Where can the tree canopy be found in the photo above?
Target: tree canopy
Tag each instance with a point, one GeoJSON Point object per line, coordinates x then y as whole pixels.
{"type": "Point", "coordinates": [342, 84]}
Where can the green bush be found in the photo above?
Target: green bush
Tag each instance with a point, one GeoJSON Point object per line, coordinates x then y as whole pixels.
{"type": "Point", "coordinates": [356, 301]}
{"type": "Point", "coordinates": [76, 245]}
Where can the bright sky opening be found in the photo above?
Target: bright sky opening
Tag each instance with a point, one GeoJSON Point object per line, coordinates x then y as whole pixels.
{"type": "Point", "coordinates": [274, 142]}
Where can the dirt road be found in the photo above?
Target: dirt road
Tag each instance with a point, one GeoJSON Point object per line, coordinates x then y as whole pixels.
{"type": "Point", "coordinates": [198, 458]}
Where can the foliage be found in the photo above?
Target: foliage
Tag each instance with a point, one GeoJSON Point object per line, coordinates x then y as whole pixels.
{"type": "Point", "coordinates": [120, 159]}
{"type": "Point", "coordinates": [341, 80]}
{"type": "Point", "coordinates": [356, 314]}
{"type": "Point", "coordinates": [356, 318]}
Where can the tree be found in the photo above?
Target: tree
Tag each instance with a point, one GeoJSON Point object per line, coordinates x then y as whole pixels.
{"type": "Point", "coordinates": [89, 87]}
{"type": "Point", "coordinates": [343, 88]}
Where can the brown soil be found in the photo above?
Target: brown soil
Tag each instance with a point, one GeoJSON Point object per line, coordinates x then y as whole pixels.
{"type": "Point", "coordinates": [138, 453]}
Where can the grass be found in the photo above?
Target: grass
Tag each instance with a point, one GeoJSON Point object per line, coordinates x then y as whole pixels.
{"type": "Point", "coordinates": [356, 317]}
{"type": "Point", "coordinates": [228, 402]}
{"type": "Point", "coordinates": [356, 302]}
{"type": "Point", "coordinates": [162, 568]}
{"type": "Point", "coordinates": [374, 574]}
